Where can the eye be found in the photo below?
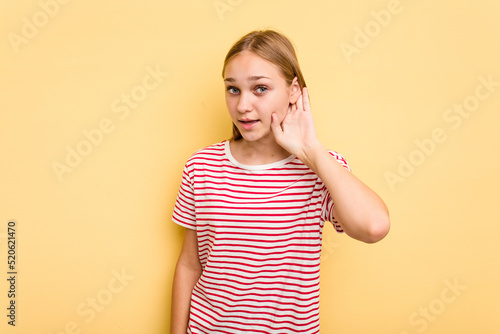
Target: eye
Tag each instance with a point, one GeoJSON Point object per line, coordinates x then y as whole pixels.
{"type": "Point", "coordinates": [261, 89]}
{"type": "Point", "coordinates": [232, 90]}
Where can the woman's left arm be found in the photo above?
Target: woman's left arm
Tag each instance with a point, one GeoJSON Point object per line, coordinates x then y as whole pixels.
{"type": "Point", "coordinates": [358, 209]}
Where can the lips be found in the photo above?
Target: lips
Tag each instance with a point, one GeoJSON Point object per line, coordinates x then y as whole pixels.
{"type": "Point", "coordinates": [248, 123]}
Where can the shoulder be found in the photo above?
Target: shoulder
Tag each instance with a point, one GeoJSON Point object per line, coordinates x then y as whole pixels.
{"type": "Point", "coordinates": [212, 152]}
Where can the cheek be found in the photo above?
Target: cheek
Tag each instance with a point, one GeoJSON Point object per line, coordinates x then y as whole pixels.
{"type": "Point", "coordinates": [230, 104]}
{"type": "Point", "coordinates": [281, 108]}
{"type": "Point", "coordinates": [277, 103]}
{"type": "Point", "coordinates": [266, 107]}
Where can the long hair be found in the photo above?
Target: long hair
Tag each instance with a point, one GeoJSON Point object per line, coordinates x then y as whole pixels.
{"type": "Point", "coordinates": [273, 47]}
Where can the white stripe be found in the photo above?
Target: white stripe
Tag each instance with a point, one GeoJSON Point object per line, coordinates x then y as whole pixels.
{"type": "Point", "coordinates": [259, 237]}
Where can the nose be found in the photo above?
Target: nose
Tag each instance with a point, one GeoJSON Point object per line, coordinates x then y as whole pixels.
{"type": "Point", "coordinates": [244, 103]}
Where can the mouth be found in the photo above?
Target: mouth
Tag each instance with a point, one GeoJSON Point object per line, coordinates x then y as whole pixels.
{"type": "Point", "coordinates": [248, 124]}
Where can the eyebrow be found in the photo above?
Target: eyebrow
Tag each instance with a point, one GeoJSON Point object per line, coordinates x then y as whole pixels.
{"type": "Point", "coordinates": [252, 78]}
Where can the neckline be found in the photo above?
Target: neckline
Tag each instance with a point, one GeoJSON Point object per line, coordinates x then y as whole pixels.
{"type": "Point", "coordinates": [279, 163]}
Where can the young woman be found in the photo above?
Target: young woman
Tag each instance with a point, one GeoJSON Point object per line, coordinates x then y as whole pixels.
{"type": "Point", "coordinates": [254, 206]}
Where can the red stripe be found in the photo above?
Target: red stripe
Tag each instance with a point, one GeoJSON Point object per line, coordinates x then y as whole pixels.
{"type": "Point", "coordinates": [256, 229]}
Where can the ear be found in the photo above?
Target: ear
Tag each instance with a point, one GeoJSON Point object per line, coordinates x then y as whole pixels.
{"type": "Point", "coordinates": [295, 91]}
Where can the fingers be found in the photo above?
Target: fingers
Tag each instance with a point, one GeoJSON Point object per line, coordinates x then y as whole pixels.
{"type": "Point", "coordinates": [298, 104]}
{"type": "Point", "coordinates": [305, 95]}
{"type": "Point", "coordinates": [303, 101]}
{"type": "Point", "coordinates": [275, 125]}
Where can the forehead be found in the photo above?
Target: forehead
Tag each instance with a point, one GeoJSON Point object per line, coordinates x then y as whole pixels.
{"type": "Point", "coordinates": [248, 64]}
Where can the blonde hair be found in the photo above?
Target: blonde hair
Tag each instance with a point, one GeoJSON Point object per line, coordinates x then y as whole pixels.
{"type": "Point", "coordinates": [273, 47]}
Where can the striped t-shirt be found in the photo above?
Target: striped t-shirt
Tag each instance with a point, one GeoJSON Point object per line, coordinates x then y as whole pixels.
{"type": "Point", "coordinates": [259, 233]}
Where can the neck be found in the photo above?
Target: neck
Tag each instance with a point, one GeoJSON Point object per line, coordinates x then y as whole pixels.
{"type": "Point", "coordinates": [257, 152]}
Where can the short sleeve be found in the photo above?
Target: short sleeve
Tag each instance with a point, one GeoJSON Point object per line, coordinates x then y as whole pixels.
{"type": "Point", "coordinates": [327, 204]}
{"type": "Point", "coordinates": [184, 210]}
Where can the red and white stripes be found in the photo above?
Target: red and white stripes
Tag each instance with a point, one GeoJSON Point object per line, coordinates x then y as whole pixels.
{"type": "Point", "coordinates": [259, 240]}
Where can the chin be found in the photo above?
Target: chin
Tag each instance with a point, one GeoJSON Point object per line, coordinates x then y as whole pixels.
{"type": "Point", "coordinates": [249, 138]}
{"type": "Point", "coordinates": [254, 137]}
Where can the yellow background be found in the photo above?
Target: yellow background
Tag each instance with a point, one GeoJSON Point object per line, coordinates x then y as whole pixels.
{"type": "Point", "coordinates": [111, 213]}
